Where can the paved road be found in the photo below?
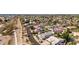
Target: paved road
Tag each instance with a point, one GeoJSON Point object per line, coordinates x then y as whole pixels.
{"type": "Point", "coordinates": [31, 38]}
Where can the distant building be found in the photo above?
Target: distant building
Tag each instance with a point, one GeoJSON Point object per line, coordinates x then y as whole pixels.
{"type": "Point", "coordinates": [45, 35]}
{"type": "Point", "coordinates": [58, 29]}
{"type": "Point", "coordinates": [54, 40]}
{"type": "Point", "coordinates": [75, 33]}
{"type": "Point", "coordinates": [38, 28]}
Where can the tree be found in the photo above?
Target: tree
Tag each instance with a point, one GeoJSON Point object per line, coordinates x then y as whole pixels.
{"type": "Point", "coordinates": [66, 35]}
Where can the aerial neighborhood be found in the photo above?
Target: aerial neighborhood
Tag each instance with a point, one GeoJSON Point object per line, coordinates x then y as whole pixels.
{"type": "Point", "coordinates": [39, 29]}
